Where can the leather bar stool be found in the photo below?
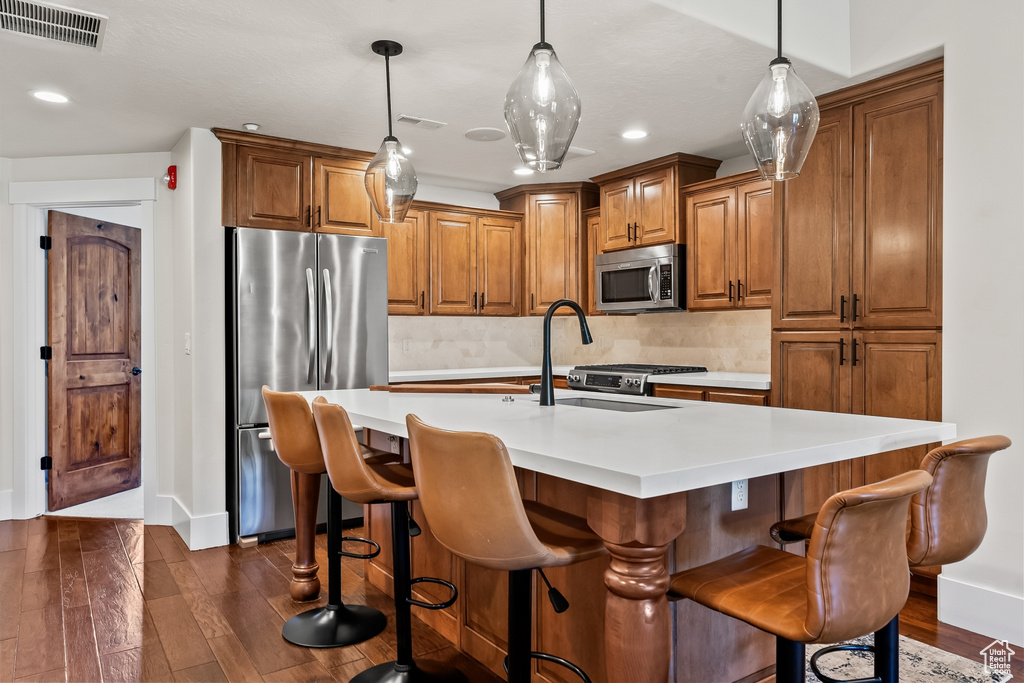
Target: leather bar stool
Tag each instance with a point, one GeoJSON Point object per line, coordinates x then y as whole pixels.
{"type": "Point", "coordinates": [852, 582]}
{"type": "Point", "coordinates": [470, 496]}
{"type": "Point", "coordinates": [298, 446]}
{"type": "Point", "coordinates": [368, 476]}
{"type": "Point", "coordinates": [947, 524]}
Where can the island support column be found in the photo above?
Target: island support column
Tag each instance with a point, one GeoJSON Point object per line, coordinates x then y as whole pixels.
{"type": "Point", "coordinates": [305, 583]}
{"type": "Point", "coordinates": [638, 621]}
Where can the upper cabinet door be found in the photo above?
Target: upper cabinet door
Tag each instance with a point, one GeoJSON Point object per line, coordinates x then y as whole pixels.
{"type": "Point", "coordinates": [552, 251]}
{"type": "Point", "coordinates": [711, 231]}
{"type": "Point", "coordinates": [754, 219]}
{"type": "Point", "coordinates": [408, 264]}
{"type": "Point", "coordinates": [812, 245]}
{"type": "Point", "coordinates": [341, 204]}
{"type": "Point", "coordinates": [453, 283]}
{"type": "Point", "coordinates": [655, 206]}
{"type": "Point", "coordinates": [593, 221]}
{"type": "Point", "coordinates": [273, 189]}
{"type": "Point", "coordinates": [897, 222]}
{"type": "Point", "coordinates": [498, 241]}
{"type": "Point", "coordinates": [617, 215]}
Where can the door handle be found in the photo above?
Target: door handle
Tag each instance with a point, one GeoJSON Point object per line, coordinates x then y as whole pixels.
{"type": "Point", "coordinates": [853, 360]}
{"type": "Point", "coordinates": [474, 303]}
{"type": "Point", "coordinates": [422, 297]}
{"type": "Point", "coordinates": [309, 216]}
{"type": "Point", "coordinates": [329, 332]}
{"type": "Point", "coordinates": [739, 289]}
{"type": "Point", "coordinates": [311, 326]}
{"type": "Point", "coordinates": [651, 279]}
{"type": "Point", "coordinates": [854, 316]}
{"type": "Point", "coordinates": [136, 371]}
{"type": "Point", "coordinates": [318, 217]}
{"type": "Point", "coordinates": [842, 347]}
{"type": "Point", "coordinates": [730, 290]}
{"type": "Point", "coordinates": [842, 308]}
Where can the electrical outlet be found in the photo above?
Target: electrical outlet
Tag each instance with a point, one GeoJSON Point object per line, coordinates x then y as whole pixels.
{"type": "Point", "coordinates": [396, 447]}
{"type": "Point", "coordinates": [406, 345]}
{"type": "Point", "coordinates": [739, 495]}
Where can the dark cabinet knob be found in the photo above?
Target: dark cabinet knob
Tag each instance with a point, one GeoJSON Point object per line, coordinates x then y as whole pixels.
{"type": "Point", "coordinates": [136, 371]}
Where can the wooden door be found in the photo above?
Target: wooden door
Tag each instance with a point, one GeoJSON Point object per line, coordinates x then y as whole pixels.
{"type": "Point", "coordinates": [341, 204]}
{"type": "Point", "coordinates": [897, 374]}
{"type": "Point", "coordinates": [273, 189]}
{"type": "Point", "coordinates": [498, 257]}
{"type": "Point", "coordinates": [755, 216]}
{"type": "Point", "coordinates": [812, 245]}
{"type": "Point", "coordinates": [408, 264]}
{"type": "Point", "coordinates": [453, 288]}
{"type": "Point", "coordinates": [592, 219]}
{"type": "Point", "coordinates": [897, 221]}
{"type": "Point", "coordinates": [811, 371]}
{"type": "Point", "coordinates": [552, 251]}
{"type": "Point", "coordinates": [616, 214]}
{"type": "Point", "coordinates": [655, 207]}
{"type": "Point", "coordinates": [94, 387]}
{"type": "Point", "coordinates": [710, 249]}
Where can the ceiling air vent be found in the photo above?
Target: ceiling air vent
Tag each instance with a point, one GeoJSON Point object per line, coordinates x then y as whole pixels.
{"type": "Point", "coordinates": [53, 22]}
{"type": "Point", "coordinates": [417, 121]}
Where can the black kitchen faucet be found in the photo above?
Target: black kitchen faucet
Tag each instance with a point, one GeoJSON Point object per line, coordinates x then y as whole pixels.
{"type": "Point", "coordinates": [547, 386]}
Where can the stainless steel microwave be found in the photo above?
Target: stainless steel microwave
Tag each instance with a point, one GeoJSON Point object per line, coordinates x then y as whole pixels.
{"type": "Point", "coordinates": [641, 280]}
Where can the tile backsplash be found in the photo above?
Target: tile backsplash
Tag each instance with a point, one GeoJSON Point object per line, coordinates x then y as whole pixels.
{"type": "Point", "coordinates": [731, 341]}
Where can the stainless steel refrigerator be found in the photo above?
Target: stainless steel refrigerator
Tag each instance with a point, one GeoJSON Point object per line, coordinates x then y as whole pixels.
{"type": "Point", "coordinates": [307, 312]}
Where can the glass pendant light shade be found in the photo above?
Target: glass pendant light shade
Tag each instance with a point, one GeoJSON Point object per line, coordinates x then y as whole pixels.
{"type": "Point", "coordinates": [542, 110]}
{"type": "Point", "coordinates": [390, 182]}
{"type": "Point", "coordinates": [780, 121]}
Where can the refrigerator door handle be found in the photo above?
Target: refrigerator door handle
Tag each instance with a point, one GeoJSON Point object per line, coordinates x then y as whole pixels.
{"type": "Point", "coordinates": [329, 307]}
{"type": "Point", "coordinates": [311, 325]}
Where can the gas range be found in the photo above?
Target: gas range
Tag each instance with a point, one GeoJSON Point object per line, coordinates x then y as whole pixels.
{"type": "Point", "coordinates": [623, 378]}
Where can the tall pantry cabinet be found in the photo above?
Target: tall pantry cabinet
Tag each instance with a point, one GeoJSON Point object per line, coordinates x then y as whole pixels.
{"type": "Point", "coordinates": [857, 302]}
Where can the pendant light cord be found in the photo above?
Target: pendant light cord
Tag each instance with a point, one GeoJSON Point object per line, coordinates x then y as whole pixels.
{"type": "Point", "coordinates": [780, 29]}
{"type": "Point", "coordinates": [542, 20]}
{"type": "Point", "coordinates": [387, 75]}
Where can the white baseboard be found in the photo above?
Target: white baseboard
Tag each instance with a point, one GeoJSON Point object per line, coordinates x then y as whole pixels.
{"type": "Point", "coordinates": [7, 504]}
{"type": "Point", "coordinates": [205, 531]}
{"type": "Point", "coordinates": [158, 510]}
{"type": "Point", "coordinates": [992, 614]}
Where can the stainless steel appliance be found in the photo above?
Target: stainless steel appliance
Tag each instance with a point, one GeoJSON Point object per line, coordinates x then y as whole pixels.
{"type": "Point", "coordinates": [306, 312]}
{"type": "Point", "coordinates": [641, 280]}
{"type": "Point", "coordinates": [623, 378]}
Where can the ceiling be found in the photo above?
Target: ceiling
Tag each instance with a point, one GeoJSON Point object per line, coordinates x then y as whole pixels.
{"type": "Point", "coordinates": [304, 70]}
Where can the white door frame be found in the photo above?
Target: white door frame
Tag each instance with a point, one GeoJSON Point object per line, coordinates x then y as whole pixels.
{"type": "Point", "coordinates": [30, 202]}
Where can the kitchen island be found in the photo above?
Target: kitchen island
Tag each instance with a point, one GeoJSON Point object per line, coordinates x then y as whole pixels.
{"type": "Point", "coordinates": [637, 477]}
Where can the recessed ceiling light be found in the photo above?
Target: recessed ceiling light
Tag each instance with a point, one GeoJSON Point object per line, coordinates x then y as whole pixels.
{"type": "Point", "coordinates": [523, 170]}
{"type": "Point", "coordinates": [634, 134]}
{"type": "Point", "coordinates": [485, 134]}
{"type": "Point", "coordinates": [47, 96]}
{"type": "Point", "coordinates": [251, 127]}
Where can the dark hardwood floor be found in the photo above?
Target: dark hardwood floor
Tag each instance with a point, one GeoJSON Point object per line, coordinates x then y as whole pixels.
{"type": "Point", "coordinates": [111, 600]}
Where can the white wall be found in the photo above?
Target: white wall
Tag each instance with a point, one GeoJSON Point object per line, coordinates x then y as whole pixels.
{"type": "Point", "coordinates": [6, 340]}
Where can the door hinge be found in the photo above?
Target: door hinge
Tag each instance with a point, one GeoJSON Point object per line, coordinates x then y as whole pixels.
{"type": "Point", "coordinates": [45, 353]}
{"type": "Point", "coordinates": [45, 242]}
{"type": "Point", "coordinates": [46, 463]}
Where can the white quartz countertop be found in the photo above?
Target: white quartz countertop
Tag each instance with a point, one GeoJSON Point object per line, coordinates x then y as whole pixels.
{"type": "Point", "coordinates": [692, 445]}
{"type": "Point", "coordinates": [721, 380]}
{"type": "Point", "coordinates": [399, 376]}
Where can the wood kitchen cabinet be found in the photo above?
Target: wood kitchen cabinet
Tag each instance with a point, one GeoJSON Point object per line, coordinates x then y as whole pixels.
{"type": "Point", "coordinates": [889, 373]}
{"type": "Point", "coordinates": [640, 205]}
{"type": "Point", "coordinates": [592, 220]}
{"type": "Point", "coordinates": [291, 185]}
{"type": "Point", "coordinates": [555, 256]}
{"type": "Point", "coordinates": [728, 224]}
{"type": "Point", "coordinates": [474, 263]}
{"type": "Point", "coordinates": [408, 264]}
{"type": "Point", "coordinates": [859, 238]}
{"type": "Point", "coordinates": [746, 397]}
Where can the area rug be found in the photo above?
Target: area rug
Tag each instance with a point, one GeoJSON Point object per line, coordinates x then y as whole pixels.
{"type": "Point", "coordinates": [919, 663]}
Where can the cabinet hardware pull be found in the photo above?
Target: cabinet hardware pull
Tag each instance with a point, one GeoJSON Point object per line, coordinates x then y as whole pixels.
{"type": "Point", "coordinates": [842, 308]}
{"type": "Point", "coordinates": [318, 224]}
{"type": "Point", "coordinates": [422, 297]}
{"type": "Point", "coordinates": [730, 290]}
{"type": "Point", "coordinates": [531, 302]}
{"type": "Point", "coordinates": [739, 289]}
{"type": "Point", "coordinates": [636, 230]}
{"type": "Point", "coordinates": [309, 216]}
{"type": "Point", "coordinates": [474, 302]}
{"type": "Point", "coordinates": [854, 317]}
{"type": "Point", "coordinates": [842, 347]}
{"type": "Point", "coordinates": [629, 232]}
{"type": "Point", "coordinates": [853, 361]}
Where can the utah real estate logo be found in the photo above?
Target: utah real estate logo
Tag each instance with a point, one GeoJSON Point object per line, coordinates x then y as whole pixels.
{"type": "Point", "coordinates": [997, 659]}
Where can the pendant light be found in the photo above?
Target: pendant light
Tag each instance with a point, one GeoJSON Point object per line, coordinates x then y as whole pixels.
{"type": "Point", "coordinates": [390, 178]}
{"type": "Point", "coordinates": [542, 108]}
{"type": "Point", "coordinates": [780, 119]}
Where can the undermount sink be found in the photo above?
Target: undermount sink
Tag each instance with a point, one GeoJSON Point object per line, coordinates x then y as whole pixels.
{"type": "Point", "coordinates": [603, 404]}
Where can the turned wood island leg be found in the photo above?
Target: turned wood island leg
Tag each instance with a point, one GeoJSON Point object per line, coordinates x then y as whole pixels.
{"type": "Point", "coordinates": [305, 584]}
{"type": "Point", "coordinates": [638, 621]}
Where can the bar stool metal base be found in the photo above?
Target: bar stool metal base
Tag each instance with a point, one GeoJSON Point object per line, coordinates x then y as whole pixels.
{"type": "Point", "coordinates": [334, 626]}
{"type": "Point", "coordinates": [422, 671]}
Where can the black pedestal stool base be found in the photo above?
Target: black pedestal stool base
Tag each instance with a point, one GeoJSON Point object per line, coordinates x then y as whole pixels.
{"type": "Point", "coordinates": [423, 671]}
{"type": "Point", "coordinates": [334, 626]}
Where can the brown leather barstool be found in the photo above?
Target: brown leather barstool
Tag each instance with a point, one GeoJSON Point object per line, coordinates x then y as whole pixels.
{"type": "Point", "coordinates": [947, 523]}
{"type": "Point", "coordinates": [298, 446]}
{"type": "Point", "coordinates": [368, 476]}
{"type": "Point", "coordinates": [470, 496]}
{"type": "Point", "coordinates": [851, 583]}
